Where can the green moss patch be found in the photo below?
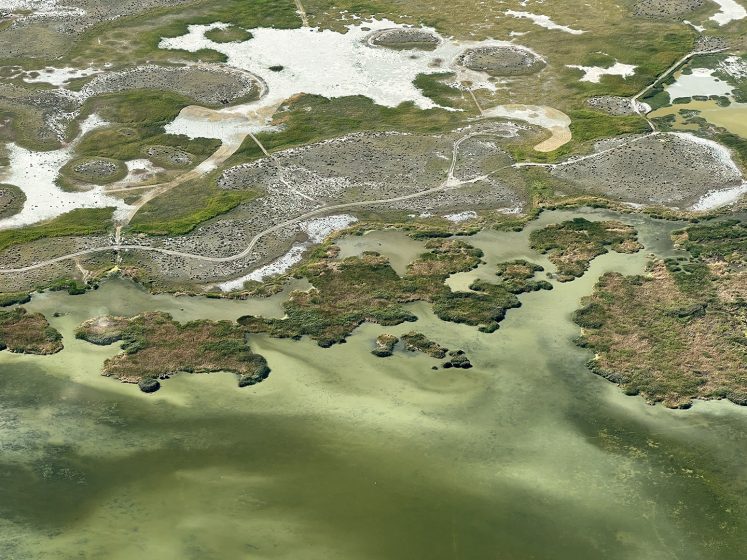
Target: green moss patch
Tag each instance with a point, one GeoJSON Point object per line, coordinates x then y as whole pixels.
{"type": "Point", "coordinates": [230, 34]}
{"type": "Point", "coordinates": [12, 200]}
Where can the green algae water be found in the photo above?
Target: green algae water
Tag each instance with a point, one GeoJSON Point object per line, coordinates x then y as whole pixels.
{"type": "Point", "coordinates": [340, 454]}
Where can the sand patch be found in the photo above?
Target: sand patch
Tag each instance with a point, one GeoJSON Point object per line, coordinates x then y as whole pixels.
{"type": "Point", "coordinates": [543, 21]}
{"type": "Point", "coordinates": [594, 74]}
{"type": "Point", "coordinates": [557, 122]}
{"type": "Point", "coordinates": [730, 11]}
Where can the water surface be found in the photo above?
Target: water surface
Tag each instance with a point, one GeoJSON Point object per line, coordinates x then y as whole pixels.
{"type": "Point", "coordinates": [340, 454]}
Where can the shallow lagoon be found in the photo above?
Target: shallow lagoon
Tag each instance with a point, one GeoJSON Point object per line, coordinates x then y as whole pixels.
{"type": "Point", "coordinates": [343, 455]}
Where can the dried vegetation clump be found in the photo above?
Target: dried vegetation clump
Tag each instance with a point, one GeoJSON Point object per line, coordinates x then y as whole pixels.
{"type": "Point", "coordinates": [28, 333]}
{"type": "Point", "coordinates": [156, 346]}
{"type": "Point", "coordinates": [677, 333]}
{"type": "Point", "coordinates": [362, 289]}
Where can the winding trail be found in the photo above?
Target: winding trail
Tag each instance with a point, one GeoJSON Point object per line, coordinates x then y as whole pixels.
{"type": "Point", "coordinates": [228, 148]}
{"type": "Point", "coordinates": [448, 183]}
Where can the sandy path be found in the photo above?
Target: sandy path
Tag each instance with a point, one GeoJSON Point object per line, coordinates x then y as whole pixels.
{"type": "Point", "coordinates": [226, 150]}
{"type": "Point", "coordinates": [448, 183]}
{"type": "Point", "coordinates": [302, 13]}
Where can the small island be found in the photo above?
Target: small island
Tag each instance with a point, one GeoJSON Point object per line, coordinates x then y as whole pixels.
{"type": "Point", "coordinates": [28, 333]}
{"type": "Point", "coordinates": [155, 346]}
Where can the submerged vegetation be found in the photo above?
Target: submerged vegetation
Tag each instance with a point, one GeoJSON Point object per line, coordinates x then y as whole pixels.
{"type": "Point", "coordinates": [677, 333]}
{"type": "Point", "coordinates": [154, 345]}
{"type": "Point", "coordinates": [28, 333]}
{"type": "Point", "coordinates": [573, 244]}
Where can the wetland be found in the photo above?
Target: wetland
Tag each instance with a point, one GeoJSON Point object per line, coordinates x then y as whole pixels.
{"type": "Point", "coordinates": [339, 453]}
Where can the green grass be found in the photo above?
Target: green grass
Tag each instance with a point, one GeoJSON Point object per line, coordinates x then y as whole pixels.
{"type": "Point", "coordinates": [433, 87]}
{"type": "Point", "coordinates": [312, 118]}
{"type": "Point", "coordinates": [13, 298]}
{"type": "Point", "coordinates": [587, 126]}
{"type": "Point", "coordinates": [182, 209]}
{"type": "Point", "coordinates": [137, 107]}
{"type": "Point", "coordinates": [70, 285]}
{"type": "Point", "coordinates": [232, 34]}
{"type": "Point", "coordinates": [83, 221]}
{"type": "Point", "coordinates": [140, 117]}
{"type": "Point", "coordinates": [736, 144]}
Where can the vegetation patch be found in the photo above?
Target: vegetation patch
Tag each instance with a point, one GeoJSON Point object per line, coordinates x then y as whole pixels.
{"type": "Point", "coordinates": [82, 221]}
{"type": "Point", "coordinates": [418, 342]}
{"type": "Point", "coordinates": [457, 359]}
{"type": "Point", "coordinates": [679, 332]}
{"type": "Point", "coordinates": [96, 170]}
{"type": "Point", "coordinates": [573, 244]}
{"type": "Point", "coordinates": [12, 199]}
{"type": "Point", "coordinates": [385, 344]}
{"type": "Point", "coordinates": [310, 118]}
{"type": "Point", "coordinates": [28, 333]}
{"type": "Point", "coordinates": [229, 34]}
{"type": "Point", "coordinates": [182, 209]}
{"type": "Point", "coordinates": [485, 305]}
{"type": "Point", "coordinates": [12, 298]}
{"type": "Point", "coordinates": [71, 286]}
{"type": "Point", "coordinates": [169, 157]}
{"type": "Point", "coordinates": [156, 346]}
{"type": "Point", "coordinates": [358, 289]}
{"type": "Point", "coordinates": [138, 119]}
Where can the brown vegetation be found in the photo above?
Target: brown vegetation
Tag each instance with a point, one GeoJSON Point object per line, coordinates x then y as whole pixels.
{"type": "Point", "coordinates": [154, 345]}
{"type": "Point", "coordinates": [28, 333]}
{"type": "Point", "coordinates": [680, 332]}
